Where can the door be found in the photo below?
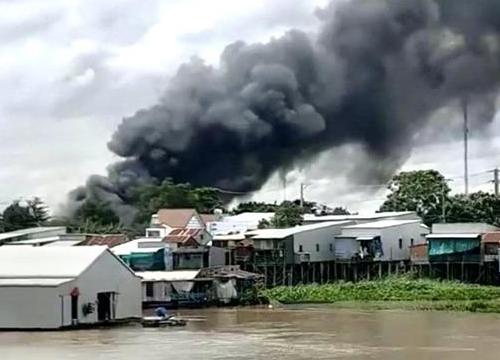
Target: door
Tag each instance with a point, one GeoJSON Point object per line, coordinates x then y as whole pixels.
{"type": "Point", "coordinates": [105, 306]}
{"type": "Point", "coordinates": [74, 307]}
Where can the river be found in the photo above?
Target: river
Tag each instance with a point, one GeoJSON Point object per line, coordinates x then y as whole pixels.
{"type": "Point", "coordinates": [286, 333]}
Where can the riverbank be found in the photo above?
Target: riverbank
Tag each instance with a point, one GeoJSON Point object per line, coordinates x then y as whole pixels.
{"type": "Point", "coordinates": [393, 293]}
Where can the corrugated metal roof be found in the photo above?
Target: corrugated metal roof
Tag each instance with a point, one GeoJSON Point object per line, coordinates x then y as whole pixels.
{"type": "Point", "coordinates": [110, 240]}
{"type": "Point", "coordinates": [35, 241]}
{"type": "Point", "coordinates": [40, 282]}
{"type": "Point", "coordinates": [283, 233]}
{"type": "Point", "coordinates": [491, 237]}
{"type": "Point", "coordinates": [134, 246]}
{"type": "Point", "coordinates": [177, 275]}
{"type": "Point", "coordinates": [46, 262]}
{"type": "Point", "coordinates": [382, 224]}
{"type": "Point", "coordinates": [452, 236]}
{"type": "Point", "coordinates": [368, 216]}
{"type": "Point", "coordinates": [64, 243]}
{"type": "Point", "coordinates": [230, 237]}
{"type": "Point", "coordinates": [30, 231]}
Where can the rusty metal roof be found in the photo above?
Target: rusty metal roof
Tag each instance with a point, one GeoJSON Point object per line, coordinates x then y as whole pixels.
{"type": "Point", "coordinates": [491, 237]}
{"type": "Point", "coordinates": [110, 240]}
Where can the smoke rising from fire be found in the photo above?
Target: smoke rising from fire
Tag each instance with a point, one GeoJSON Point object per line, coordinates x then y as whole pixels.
{"type": "Point", "coordinates": [372, 75]}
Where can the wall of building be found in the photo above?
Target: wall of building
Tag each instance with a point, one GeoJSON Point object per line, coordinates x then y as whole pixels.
{"type": "Point", "coordinates": [195, 223]}
{"type": "Point", "coordinates": [108, 274]}
{"type": "Point", "coordinates": [390, 239]}
{"type": "Point", "coordinates": [217, 256]}
{"type": "Point", "coordinates": [319, 243]}
{"type": "Point", "coordinates": [30, 307]}
{"type": "Point", "coordinates": [162, 291]}
{"type": "Point", "coordinates": [345, 248]}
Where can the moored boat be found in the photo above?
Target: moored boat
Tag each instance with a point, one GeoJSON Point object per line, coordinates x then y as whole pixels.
{"type": "Point", "coordinates": [158, 321]}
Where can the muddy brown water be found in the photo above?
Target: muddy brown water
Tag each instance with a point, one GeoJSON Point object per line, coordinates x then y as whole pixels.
{"type": "Point", "coordinates": [301, 332]}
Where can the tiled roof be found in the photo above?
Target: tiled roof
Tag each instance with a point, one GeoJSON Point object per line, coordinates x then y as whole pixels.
{"type": "Point", "coordinates": [108, 240]}
{"type": "Point", "coordinates": [176, 218]}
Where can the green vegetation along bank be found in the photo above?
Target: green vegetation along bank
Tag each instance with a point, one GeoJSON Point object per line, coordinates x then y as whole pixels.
{"type": "Point", "coordinates": [391, 293]}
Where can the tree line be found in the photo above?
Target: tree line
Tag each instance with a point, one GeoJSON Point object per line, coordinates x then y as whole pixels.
{"type": "Point", "coordinates": [425, 192]}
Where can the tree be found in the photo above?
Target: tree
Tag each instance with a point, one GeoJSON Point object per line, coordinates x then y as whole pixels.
{"type": "Point", "coordinates": [151, 198]}
{"type": "Point", "coordinates": [16, 217]}
{"type": "Point", "coordinates": [340, 211]}
{"type": "Point", "coordinates": [207, 199]}
{"type": "Point", "coordinates": [422, 191]}
{"type": "Point", "coordinates": [38, 210]}
{"type": "Point", "coordinates": [96, 212]}
{"type": "Point", "coordinates": [286, 215]}
{"type": "Point", "coordinates": [476, 207]}
{"type": "Point", "coordinates": [254, 206]}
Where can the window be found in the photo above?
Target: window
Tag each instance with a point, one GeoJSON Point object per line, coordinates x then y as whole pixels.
{"type": "Point", "coordinates": [317, 247]}
{"type": "Point", "coordinates": [331, 247]}
{"type": "Point", "coordinates": [301, 249]}
{"type": "Point", "coordinates": [412, 242]}
{"type": "Point", "coordinates": [149, 289]}
{"type": "Point", "coordinates": [153, 233]}
{"type": "Point", "coordinates": [400, 243]}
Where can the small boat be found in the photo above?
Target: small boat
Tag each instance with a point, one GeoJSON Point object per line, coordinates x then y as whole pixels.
{"type": "Point", "coordinates": [159, 321]}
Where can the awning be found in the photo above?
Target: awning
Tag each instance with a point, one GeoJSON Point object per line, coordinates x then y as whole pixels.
{"type": "Point", "coordinates": [453, 236]}
{"type": "Point", "coordinates": [366, 238]}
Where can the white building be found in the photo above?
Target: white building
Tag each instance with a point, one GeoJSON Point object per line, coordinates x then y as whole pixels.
{"type": "Point", "coordinates": [57, 287]}
{"type": "Point", "coordinates": [32, 233]}
{"type": "Point", "coordinates": [305, 243]}
{"type": "Point", "coordinates": [384, 240]}
{"type": "Point", "coordinates": [160, 287]}
{"type": "Point", "coordinates": [233, 224]}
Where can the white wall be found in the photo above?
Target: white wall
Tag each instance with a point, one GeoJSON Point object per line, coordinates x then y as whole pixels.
{"type": "Point", "coordinates": [345, 248]}
{"type": "Point", "coordinates": [195, 223]}
{"type": "Point", "coordinates": [30, 307]}
{"type": "Point", "coordinates": [324, 237]}
{"type": "Point", "coordinates": [390, 239]}
{"type": "Point", "coordinates": [162, 291]}
{"type": "Point", "coordinates": [108, 274]}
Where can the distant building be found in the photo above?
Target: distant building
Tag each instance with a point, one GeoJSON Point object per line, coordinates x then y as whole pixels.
{"type": "Point", "coordinates": [491, 246]}
{"type": "Point", "coordinates": [457, 242]}
{"type": "Point", "coordinates": [241, 223]}
{"type": "Point", "coordinates": [362, 218]}
{"type": "Point", "coordinates": [384, 240]}
{"type": "Point", "coordinates": [178, 218]}
{"type": "Point", "coordinates": [295, 245]}
{"type": "Point", "coordinates": [57, 287]}
{"type": "Point", "coordinates": [32, 233]}
{"type": "Point", "coordinates": [195, 287]}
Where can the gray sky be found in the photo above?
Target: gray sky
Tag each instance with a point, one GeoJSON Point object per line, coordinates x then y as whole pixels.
{"type": "Point", "coordinates": [70, 70]}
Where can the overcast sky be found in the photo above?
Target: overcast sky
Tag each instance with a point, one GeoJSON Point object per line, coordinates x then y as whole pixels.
{"type": "Point", "coordinates": [70, 70]}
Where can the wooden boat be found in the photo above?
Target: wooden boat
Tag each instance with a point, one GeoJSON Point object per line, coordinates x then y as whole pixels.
{"type": "Point", "coordinates": [158, 321]}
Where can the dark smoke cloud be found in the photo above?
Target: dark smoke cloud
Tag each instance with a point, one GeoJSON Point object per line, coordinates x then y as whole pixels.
{"type": "Point", "coordinates": [372, 75]}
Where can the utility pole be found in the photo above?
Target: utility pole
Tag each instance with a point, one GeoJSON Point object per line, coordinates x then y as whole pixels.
{"type": "Point", "coordinates": [284, 188]}
{"type": "Point", "coordinates": [443, 201]}
{"type": "Point", "coordinates": [302, 188]}
{"type": "Point", "coordinates": [495, 180]}
{"type": "Point", "coordinates": [301, 195]}
{"type": "Point", "coordinates": [466, 146]}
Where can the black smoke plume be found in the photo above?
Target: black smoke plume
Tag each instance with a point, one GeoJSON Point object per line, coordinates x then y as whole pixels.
{"type": "Point", "coordinates": [372, 75]}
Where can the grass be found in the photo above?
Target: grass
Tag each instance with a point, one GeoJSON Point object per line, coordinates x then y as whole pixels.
{"type": "Point", "coordinates": [393, 292]}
